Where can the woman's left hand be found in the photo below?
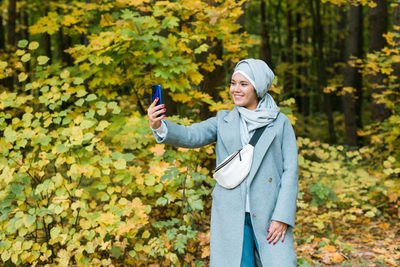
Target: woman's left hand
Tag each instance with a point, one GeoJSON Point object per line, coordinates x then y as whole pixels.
{"type": "Point", "coordinates": [276, 231]}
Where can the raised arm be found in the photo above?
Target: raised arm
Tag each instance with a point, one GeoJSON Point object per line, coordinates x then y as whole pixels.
{"type": "Point", "coordinates": [193, 136]}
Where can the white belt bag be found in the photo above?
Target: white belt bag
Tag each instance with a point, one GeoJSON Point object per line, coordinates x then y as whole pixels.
{"type": "Point", "coordinates": [235, 168]}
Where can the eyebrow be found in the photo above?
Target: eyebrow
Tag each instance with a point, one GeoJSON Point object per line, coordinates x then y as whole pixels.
{"type": "Point", "coordinates": [232, 80]}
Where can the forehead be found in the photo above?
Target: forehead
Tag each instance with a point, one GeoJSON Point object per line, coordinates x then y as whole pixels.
{"type": "Point", "coordinates": [238, 77]}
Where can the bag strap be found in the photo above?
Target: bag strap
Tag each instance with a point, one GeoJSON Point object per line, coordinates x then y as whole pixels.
{"type": "Point", "coordinates": [256, 136]}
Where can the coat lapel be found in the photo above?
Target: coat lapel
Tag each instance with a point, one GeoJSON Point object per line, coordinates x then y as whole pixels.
{"type": "Point", "coordinates": [230, 132]}
{"type": "Point", "coordinates": [261, 148]}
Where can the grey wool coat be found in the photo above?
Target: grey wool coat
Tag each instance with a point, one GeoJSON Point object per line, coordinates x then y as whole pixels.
{"type": "Point", "coordinates": [273, 180]}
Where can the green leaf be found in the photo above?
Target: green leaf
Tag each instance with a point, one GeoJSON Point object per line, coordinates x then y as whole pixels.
{"type": "Point", "coordinates": [112, 105]}
{"type": "Point", "coordinates": [202, 48]}
{"type": "Point", "coordinates": [170, 22]}
{"type": "Point", "coordinates": [5, 256]}
{"type": "Point", "coordinates": [88, 136]}
{"type": "Point", "coordinates": [78, 81]}
{"type": "Point", "coordinates": [22, 77]}
{"type": "Point", "coordinates": [33, 45]}
{"type": "Point", "coordinates": [196, 204]}
{"type": "Point", "coordinates": [90, 114]}
{"type": "Point", "coordinates": [54, 232]}
{"type": "Point", "coordinates": [102, 125]}
{"type": "Point", "coordinates": [10, 135]}
{"type": "Point", "coordinates": [161, 201]}
{"type": "Point", "coordinates": [86, 124]}
{"type": "Point", "coordinates": [120, 164]}
{"type": "Point", "coordinates": [66, 121]}
{"type": "Point", "coordinates": [81, 93]}
{"type": "Point", "coordinates": [20, 52]}
{"type": "Point", "coordinates": [26, 57]}
{"type": "Point", "coordinates": [65, 74]}
{"type": "Point", "coordinates": [79, 102]}
{"type": "Point", "coordinates": [102, 111]}
{"type": "Point", "coordinates": [42, 60]}
{"type": "Point", "coordinates": [22, 43]}
{"type": "Point", "coordinates": [61, 148]}
{"type": "Point", "coordinates": [28, 86]}
{"type": "Point", "coordinates": [91, 97]}
{"type": "Point", "coordinates": [44, 89]}
{"type": "Point", "coordinates": [116, 251]}
{"type": "Point", "coordinates": [65, 97]}
{"type": "Point", "coordinates": [101, 104]}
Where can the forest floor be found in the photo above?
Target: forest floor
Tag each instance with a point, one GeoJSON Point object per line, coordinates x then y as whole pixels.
{"type": "Point", "coordinates": [369, 243]}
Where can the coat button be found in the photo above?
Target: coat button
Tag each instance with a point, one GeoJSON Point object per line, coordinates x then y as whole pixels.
{"type": "Point", "coordinates": [253, 215]}
{"type": "Point", "coordinates": [269, 179]}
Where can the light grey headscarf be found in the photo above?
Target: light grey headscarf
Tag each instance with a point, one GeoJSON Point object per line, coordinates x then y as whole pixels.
{"type": "Point", "coordinates": [261, 77]}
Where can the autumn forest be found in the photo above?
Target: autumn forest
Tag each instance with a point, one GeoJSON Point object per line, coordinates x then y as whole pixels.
{"type": "Point", "coordinates": [83, 181]}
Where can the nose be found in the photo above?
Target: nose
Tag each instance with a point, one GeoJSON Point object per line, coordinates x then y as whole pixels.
{"type": "Point", "coordinates": [236, 87]}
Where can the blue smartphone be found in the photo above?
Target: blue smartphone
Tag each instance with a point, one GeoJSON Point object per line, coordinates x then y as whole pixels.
{"type": "Point", "coordinates": [156, 92]}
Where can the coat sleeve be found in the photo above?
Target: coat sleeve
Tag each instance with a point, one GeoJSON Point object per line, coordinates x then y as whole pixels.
{"type": "Point", "coordinates": [285, 208]}
{"type": "Point", "coordinates": [193, 136]}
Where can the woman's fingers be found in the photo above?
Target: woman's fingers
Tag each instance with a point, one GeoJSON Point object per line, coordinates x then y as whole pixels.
{"type": "Point", "coordinates": [283, 235]}
{"type": "Point", "coordinates": [158, 112]}
{"type": "Point", "coordinates": [275, 234]}
{"type": "Point", "coordinates": [153, 113]}
{"type": "Point", "coordinates": [276, 231]}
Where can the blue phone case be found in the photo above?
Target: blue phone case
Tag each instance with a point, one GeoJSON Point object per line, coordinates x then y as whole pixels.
{"type": "Point", "coordinates": [156, 92]}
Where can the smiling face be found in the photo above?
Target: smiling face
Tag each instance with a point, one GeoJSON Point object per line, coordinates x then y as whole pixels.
{"type": "Point", "coordinates": [243, 92]}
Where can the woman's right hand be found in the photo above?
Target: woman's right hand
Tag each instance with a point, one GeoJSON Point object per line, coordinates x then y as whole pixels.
{"type": "Point", "coordinates": [153, 111]}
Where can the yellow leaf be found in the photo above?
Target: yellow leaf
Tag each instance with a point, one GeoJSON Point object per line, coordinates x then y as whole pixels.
{"type": "Point", "coordinates": [102, 125]}
{"type": "Point", "coordinates": [337, 258]}
{"type": "Point", "coordinates": [65, 74]}
{"type": "Point", "coordinates": [396, 58]}
{"type": "Point", "coordinates": [329, 248]}
{"type": "Point", "coordinates": [158, 149]}
{"type": "Point", "coordinates": [33, 45]}
{"type": "Point", "coordinates": [107, 218]}
{"type": "Point", "coordinates": [146, 234]}
{"type": "Point", "coordinates": [69, 20]}
{"type": "Point", "coordinates": [3, 65]}
{"type": "Point", "coordinates": [120, 164]}
{"type": "Point", "coordinates": [22, 77]}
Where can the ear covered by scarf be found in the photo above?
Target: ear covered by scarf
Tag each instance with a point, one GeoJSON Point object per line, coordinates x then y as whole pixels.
{"type": "Point", "coordinates": [261, 77]}
{"type": "Point", "coordinates": [258, 73]}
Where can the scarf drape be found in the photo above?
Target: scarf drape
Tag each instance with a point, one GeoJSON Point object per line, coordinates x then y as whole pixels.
{"type": "Point", "coordinates": [261, 77]}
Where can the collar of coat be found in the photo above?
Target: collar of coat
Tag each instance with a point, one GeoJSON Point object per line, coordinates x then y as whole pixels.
{"type": "Point", "coordinates": [231, 139]}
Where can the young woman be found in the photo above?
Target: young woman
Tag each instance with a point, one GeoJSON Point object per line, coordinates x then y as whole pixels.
{"type": "Point", "coordinates": [251, 224]}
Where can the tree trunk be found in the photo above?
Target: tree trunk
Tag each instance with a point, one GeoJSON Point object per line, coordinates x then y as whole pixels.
{"type": "Point", "coordinates": [47, 38]}
{"type": "Point", "coordinates": [352, 78]}
{"type": "Point", "coordinates": [318, 42]}
{"type": "Point", "coordinates": [12, 17]}
{"type": "Point", "coordinates": [11, 35]}
{"type": "Point", "coordinates": [212, 82]}
{"type": "Point", "coordinates": [301, 39]}
{"type": "Point", "coordinates": [265, 53]}
{"type": "Point", "coordinates": [64, 43]}
{"type": "Point", "coordinates": [378, 20]}
{"type": "Point", "coordinates": [242, 19]}
{"type": "Point", "coordinates": [278, 32]}
{"type": "Point", "coordinates": [288, 80]}
{"type": "Point", "coordinates": [2, 32]}
{"type": "Point", "coordinates": [396, 26]}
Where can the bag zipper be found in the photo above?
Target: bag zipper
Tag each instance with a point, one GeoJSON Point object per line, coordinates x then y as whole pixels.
{"type": "Point", "coordinates": [229, 160]}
